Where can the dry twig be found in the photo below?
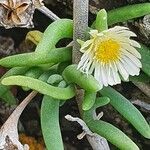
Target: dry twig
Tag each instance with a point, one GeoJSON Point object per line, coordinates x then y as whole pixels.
{"type": "Point", "coordinates": [144, 87]}
{"type": "Point", "coordinates": [97, 142]}
{"type": "Point", "coordinates": [9, 132]}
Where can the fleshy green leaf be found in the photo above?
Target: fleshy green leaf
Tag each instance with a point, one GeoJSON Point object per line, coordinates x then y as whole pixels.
{"type": "Point", "coordinates": [50, 123]}
{"type": "Point", "coordinates": [101, 20]}
{"type": "Point", "coordinates": [41, 87]}
{"type": "Point", "coordinates": [89, 100]}
{"type": "Point", "coordinates": [112, 134]}
{"type": "Point", "coordinates": [55, 56]}
{"type": "Point", "coordinates": [6, 95]}
{"type": "Point", "coordinates": [145, 53]}
{"type": "Point", "coordinates": [128, 110]}
{"type": "Point", "coordinates": [72, 75]}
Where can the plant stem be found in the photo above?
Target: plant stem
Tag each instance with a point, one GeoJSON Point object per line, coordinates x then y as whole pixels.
{"type": "Point", "coordinates": [80, 17]}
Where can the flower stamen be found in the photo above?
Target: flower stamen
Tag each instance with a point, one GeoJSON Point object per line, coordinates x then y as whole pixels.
{"type": "Point", "coordinates": [107, 50]}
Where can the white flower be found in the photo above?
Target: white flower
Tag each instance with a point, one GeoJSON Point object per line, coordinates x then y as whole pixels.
{"type": "Point", "coordinates": [109, 55]}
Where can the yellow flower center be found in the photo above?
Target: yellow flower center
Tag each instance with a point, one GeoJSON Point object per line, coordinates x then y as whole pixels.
{"type": "Point", "coordinates": [107, 51]}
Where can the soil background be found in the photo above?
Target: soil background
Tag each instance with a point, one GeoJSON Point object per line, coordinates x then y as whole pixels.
{"type": "Point", "coordinates": [12, 42]}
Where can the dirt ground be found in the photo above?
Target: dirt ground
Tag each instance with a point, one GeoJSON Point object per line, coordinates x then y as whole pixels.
{"type": "Point", "coordinates": [12, 40]}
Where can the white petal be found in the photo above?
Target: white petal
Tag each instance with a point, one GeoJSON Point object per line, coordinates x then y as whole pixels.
{"type": "Point", "coordinates": [126, 33]}
{"type": "Point", "coordinates": [91, 69]}
{"type": "Point", "coordinates": [117, 28]}
{"type": "Point", "coordinates": [93, 33]}
{"type": "Point", "coordinates": [121, 39]}
{"type": "Point", "coordinates": [97, 74]}
{"type": "Point", "coordinates": [88, 66]}
{"type": "Point", "coordinates": [85, 64]}
{"type": "Point", "coordinates": [103, 75]}
{"type": "Point", "coordinates": [113, 64]}
{"type": "Point", "coordinates": [129, 66]}
{"type": "Point", "coordinates": [128, 41]}
{"type": "Point", "coordinates": [81, 42]}
{"type": "Point", "coordinates": [135, 44]}
{"type": "Point", "coordinates": [109, 75]}
{"type": "Point", "coordinates": [134, 59]}
{"type": "Point", "coordinates": [131, 49]}
{"type": "Point", "coordinates": [84, 58]}
{"type": "Point", "coordinates": [86, 44]}
{"type": "Point", "coordinates": [122, 70]}
{"type": "Point", "coordinates": [115, 74]}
